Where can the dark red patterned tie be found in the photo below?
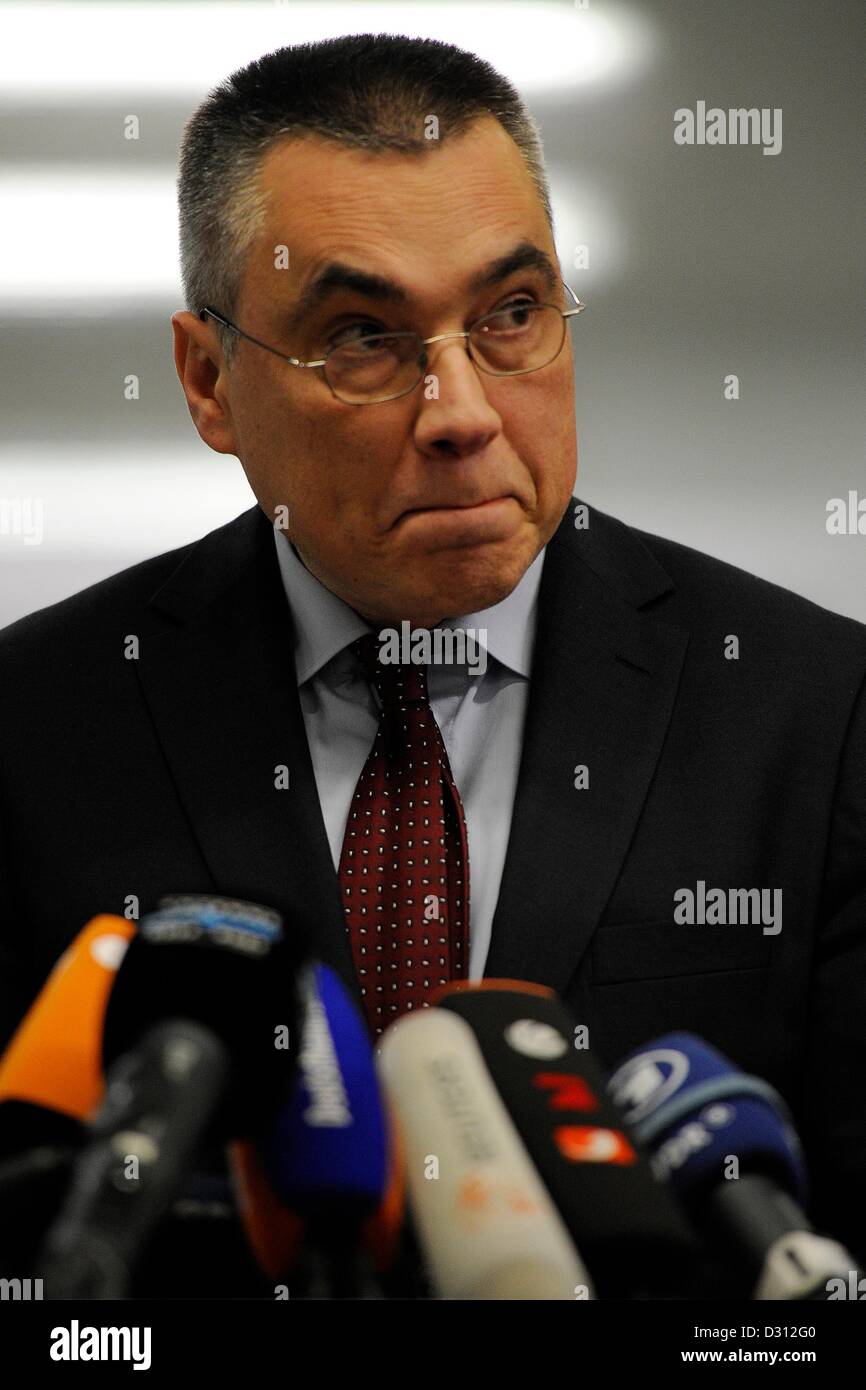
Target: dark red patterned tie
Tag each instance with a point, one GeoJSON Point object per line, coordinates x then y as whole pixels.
{"type": "Point", "coordinates": [404, 869]}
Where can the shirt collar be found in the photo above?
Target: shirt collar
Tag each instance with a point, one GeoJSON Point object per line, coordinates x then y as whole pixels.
{"type": "Point", "coordinates": [325, 625]}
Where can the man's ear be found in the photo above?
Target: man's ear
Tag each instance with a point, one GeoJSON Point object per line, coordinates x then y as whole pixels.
{"type": "Point", "coordinates": [202, 371]}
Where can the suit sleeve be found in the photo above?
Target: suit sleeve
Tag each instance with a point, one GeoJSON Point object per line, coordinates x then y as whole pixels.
{"type": "Point", "coordinates": [833, 1121]}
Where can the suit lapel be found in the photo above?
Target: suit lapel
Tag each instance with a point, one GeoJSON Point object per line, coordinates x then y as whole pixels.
{"type": "Point", "coordinates": [604, 681]}
{"type": "Point", "coordinates": [219, 681]}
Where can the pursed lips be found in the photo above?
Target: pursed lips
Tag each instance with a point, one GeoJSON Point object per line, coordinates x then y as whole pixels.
{"type": "Point", "coordinates": [455, 506]}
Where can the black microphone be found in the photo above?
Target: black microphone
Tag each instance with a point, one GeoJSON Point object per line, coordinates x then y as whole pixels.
{"type": "Point", "coordinates": [220, 978]}
{"type": "Point", "coordinates": [487, 1227]}
{"type": "Point", "coordinates": [230, 967]}
{"type": "Point", "coordinates": [159, 1101]}
{"type": "Point", "coordinates": [628, 1229]}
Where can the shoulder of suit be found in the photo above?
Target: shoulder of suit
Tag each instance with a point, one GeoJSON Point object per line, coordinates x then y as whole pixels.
{"type": "Point", "coordinates": [707, 591]}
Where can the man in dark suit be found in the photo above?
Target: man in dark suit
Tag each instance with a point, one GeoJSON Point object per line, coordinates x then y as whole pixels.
{"type": "Point", "coordinates": [377, 329]}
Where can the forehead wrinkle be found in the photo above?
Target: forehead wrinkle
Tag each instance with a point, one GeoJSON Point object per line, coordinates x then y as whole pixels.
{"type": "Point", "coordinates": [368, 203]}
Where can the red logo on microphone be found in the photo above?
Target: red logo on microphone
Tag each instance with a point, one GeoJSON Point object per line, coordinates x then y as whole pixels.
{"type": "Point", "coordinates": [590, 1144]}
{"type": "Point", "coordinates": [566, 1092]}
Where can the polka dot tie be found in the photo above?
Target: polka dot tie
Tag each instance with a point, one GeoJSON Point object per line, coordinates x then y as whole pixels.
{"type": "Point", "coordinates": [404, 869]}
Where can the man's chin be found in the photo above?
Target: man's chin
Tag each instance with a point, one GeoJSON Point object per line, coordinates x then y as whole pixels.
{"type": "Point", "coordinates": [452, 600]}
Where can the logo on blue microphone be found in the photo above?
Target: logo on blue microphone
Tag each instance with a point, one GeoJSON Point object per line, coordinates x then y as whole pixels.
{"type": "Point", "coordinates": [648, 1080]}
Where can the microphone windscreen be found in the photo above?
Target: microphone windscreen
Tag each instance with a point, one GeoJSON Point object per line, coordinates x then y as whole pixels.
{"type": "Point", "coordinates": [53, 1061]}
{"type": "Point", "coordinates": [332, 1158]}
{"type": "Point", "coordinates": [227, 966]}
{"type": "Point", "coordinates": [274, 1233]}
{"type": "Point", "coordinates": [626, 1225]}
{"type": "Point", "coordinates": [487, 1224]}
{"type": "Point", "coordinates": [51, 1084]}
{"type": "Point", "coordinates": [698, 1112]}
{"type": "Point", "coordinates": [328, 1150]}
{"type": "Point", "coordinates": [382, 1235]}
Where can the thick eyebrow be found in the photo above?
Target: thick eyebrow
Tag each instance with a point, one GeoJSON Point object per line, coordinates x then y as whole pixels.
{"type": "Point", "coordinates": [337, 275]}
{"type": "Point", "coordinates": [525, 256]}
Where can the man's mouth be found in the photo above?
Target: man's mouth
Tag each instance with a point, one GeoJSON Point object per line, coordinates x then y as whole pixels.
{"type": "Point", "coordinates": [459, 524]}
{"type": "Point", "coordinates": [455, 506]}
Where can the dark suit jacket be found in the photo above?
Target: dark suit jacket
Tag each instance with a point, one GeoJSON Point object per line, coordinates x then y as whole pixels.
{"type": "Point", "coordinates": [156, 775]}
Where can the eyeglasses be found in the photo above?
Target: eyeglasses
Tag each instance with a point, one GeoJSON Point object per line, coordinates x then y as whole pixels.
{"type": "Point", "coordinates": [521, 337]}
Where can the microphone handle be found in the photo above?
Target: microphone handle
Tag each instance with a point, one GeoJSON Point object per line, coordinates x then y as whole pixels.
{"type": "Point", "coordinates": [751, 1213]}
{"type": "Point", "coordinates": [324, 1273]}
{"type": "Point", "coordinates": [784, 1256]}
{"type": "Point", "coordinates": [160, 1100]}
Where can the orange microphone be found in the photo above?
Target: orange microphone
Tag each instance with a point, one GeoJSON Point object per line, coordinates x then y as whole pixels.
{"type": "Point", "coordinates": [51, 1084]}
{"type": "Point", "coordinates": [54, 1060]}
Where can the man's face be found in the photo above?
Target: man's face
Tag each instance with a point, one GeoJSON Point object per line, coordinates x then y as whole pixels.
{"type": "Point", "coordinates": [417, 508]}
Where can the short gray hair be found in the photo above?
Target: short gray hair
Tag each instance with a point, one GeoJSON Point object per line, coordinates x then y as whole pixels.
{"type": "Point", "coordinates": [372, 91]}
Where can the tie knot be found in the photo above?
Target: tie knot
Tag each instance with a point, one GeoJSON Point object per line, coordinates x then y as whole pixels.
{"type": "Point", "coordinates": [398, 685]}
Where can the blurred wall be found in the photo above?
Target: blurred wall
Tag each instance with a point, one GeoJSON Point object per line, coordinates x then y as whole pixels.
{"type": "Point", "coordinates": [697, 262]}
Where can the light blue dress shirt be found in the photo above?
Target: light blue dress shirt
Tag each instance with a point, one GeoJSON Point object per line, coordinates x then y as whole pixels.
{"type": "Point", "coordinates": [481, 717]}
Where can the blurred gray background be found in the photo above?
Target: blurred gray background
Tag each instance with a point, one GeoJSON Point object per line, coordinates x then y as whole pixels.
{"type": "Point", "coordinates": [700, 262]}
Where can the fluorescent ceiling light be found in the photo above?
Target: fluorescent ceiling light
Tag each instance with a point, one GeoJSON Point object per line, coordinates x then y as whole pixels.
{"type": "Point", "coordinates": [54, 52]}
{"type": "Point", "coordinates": [591, 238]}
{"type": "Point", "coordinates": [87, 237]}
{"type": "Point", "coordinates": [68, 234]}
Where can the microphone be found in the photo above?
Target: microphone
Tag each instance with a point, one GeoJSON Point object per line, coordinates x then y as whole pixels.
{"type": "Point", "coordinates": [326, 1185]}
{"type": "Point", "coordinates": [228, 966]}
{"type": "Point", "coordinates": [725, 1142]}
{"type": "Point", "coordinates": [159, 1100]}
{"type": "Point", "coordinates": [487, 1225]}
{"type": "Point", "coordinates": [51, 1070]}
{"type": "Point", "coordinates": [274, 1234]}
{"type": "Point", "coordinates": [190, 1050]}
{"type": "Point", "coordinates": [51, 1082]}
{"type": "Point", "coordinates": [628, 1229]}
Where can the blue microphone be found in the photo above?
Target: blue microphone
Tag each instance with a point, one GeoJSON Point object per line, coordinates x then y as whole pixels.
{"type": "Point", "coordinates": [725, 1142]}
{"type": "Point", "coordinates": [328, 1152]}
{"type": "Point", "coordinates": [683, 1097]}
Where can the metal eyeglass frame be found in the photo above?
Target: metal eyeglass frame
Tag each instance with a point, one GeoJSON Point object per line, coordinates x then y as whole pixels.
{"type": "Point", "coordinates": [320, 362]}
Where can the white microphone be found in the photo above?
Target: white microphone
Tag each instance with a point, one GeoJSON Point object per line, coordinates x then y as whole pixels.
{"type": "Point", "coordinates": [486, 1222]}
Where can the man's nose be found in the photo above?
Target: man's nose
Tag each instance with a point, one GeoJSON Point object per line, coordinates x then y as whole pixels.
{"type": "Point", "coordinates": [455, 415]}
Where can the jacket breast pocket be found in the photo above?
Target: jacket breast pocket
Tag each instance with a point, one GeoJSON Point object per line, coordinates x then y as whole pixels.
{"type": "Point", "coordinates": [657, 950]}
